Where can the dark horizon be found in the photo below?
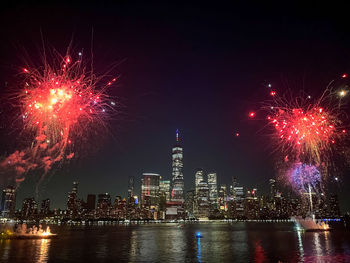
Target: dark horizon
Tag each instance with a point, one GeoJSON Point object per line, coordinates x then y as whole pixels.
{"type": "Point", "coordinates": [199, 69]}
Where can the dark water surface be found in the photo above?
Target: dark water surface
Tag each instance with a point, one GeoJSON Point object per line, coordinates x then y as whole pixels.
{"type": "Point", "coordinates": [221, 242]}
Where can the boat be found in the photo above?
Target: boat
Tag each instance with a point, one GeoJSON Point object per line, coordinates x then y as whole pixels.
{"type": "Point", "coordinates": [310, 224]}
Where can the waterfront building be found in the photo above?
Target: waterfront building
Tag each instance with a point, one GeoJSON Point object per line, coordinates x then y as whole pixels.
{"type": "Point", "coordinates": [8, 202]}
{"type": "Point", "coordinates": [199, 177]}
{"type": "Point", "coordinates": [150, 189]}
{"type": "Point", "coordinates": [131, 190]}
{"type": "Point", "coordinates": [251, 205]}
{"type": "Point", "coordinates": [203, 202]}
{"type": "Point", "coordinates": [238, 201]}
{"type": "Point", "coordinates": [45, 207]}
{"type": "Point", "coordinates": [190, 201]}
{"type": "Point", "coordinates": [177, 190]}
{"type": "Point", "coordinates": [213, 189]}
{"type": "Point", "coordinates": [103, 205]}
{"type": "Point", "coordinates": [164, 189]}
{"type": "Point", "coordinates": [273, 190]}
{"type": "Point", "coordinates": [333, 204]}
{"type": "Point", "coordinates": [71, 201]}
{"type": "Point", "coordinates": [222, 198]}
{"type": "Point", "coordinates": [29, 208]}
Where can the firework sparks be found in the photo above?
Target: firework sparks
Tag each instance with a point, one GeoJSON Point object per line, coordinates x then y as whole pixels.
{"type": "Point", "coordinates": [305, 130]}
{"type": "Point", "coordinates": [309, 134]}
{"type": "Point", "coordinates": [58, 103]}
{"type": "Point", "coordinates": [304, 176]}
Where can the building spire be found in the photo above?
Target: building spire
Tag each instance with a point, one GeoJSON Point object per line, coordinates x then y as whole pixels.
{"type": "Point", "coordinates": [177, 135]}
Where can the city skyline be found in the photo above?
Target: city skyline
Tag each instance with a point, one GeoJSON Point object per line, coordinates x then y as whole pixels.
{"type": "Point", "coordinates": [205, 188]}
{"type": "Point", "coordinates": [199, 175]}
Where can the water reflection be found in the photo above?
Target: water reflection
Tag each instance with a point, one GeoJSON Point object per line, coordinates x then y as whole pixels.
{"type": "Point", "coordinates": [157, 243]}
{"type": "Point", "coordinates": [220, 242]}
{"type": "Point", "coordinates": [199, 254]}
{"type": "Point", "coordinates": [43, 247]}
{"type": "Point", "coordinates": [5, 248]}
{"type": "Point", "coordinates": [259, 255]}
{"type": "Point", "coordinates": [300, 242]}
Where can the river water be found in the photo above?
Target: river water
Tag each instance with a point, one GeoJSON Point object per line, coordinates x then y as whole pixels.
{"type": "Point", "coordinates": [220, 242]}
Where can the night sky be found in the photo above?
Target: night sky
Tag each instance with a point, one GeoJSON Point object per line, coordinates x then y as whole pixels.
{"type": "Point", "coordinates": [199, 68]}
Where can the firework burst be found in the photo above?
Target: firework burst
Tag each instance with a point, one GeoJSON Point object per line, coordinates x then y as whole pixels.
{"type": "Point", "coordinates": [59, 104]}
{"type": "Point", "coordinates": [306, 131]}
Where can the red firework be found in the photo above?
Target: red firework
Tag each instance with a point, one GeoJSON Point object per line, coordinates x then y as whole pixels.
{"type": "Point", "coordinates": [306, 130]}
{"type": "Point", "coordinates": [59, 104]}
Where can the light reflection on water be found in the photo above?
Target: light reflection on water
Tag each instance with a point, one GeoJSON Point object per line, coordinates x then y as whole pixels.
{"type": "Point", "coordinates": [42, 254]}
{"type": "Point", "coordinates": [220, 242]}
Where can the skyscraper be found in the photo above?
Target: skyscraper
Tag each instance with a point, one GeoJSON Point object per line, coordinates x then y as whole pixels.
{"type": "Point", "coordinates": [104, 204]}
{"type": "Point", "coordinates": [29, 208]}
{"type": "Point", "coordinates": [164, 188]}
{"type": "Point", "coordinates": [8, 202]}
{"type": "Point", "coordinates": [239, 201]}
{"type": "Point", "coordinates": [130, 189]}
{"type": "Point", "coordinates": [72, 196]}
{"type": "Point", "coordinates": [150, 189]}
{"type": "Point", "coordinates": [213, 188]}
{"type": "Point", "coordinates": [177, 191]}
{"type": "Point", "coordinates": [45, 207]}
{"type": "Point", "coordinates": [202, 208]}
{"type": "Point", "coordinates": [199, 177]}
{"type": "Point", "coordinates": [273, 190]}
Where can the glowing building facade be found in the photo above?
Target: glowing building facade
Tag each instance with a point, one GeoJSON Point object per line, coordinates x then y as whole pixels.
{"type": "Point", "coordinates": [8, 202]}
{"type": "Point", "coordinates": [177, 191]}
{"type": "Point", "coordinates": [199, 177]}
{"type": "Point", "coordinates": [150, 189]}
{"type": "Point", "coordinates": [213, 188]}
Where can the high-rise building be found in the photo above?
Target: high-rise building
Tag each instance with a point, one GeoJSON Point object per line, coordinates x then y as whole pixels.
{"type": "Point", "coordinates": [8, 202]}
{"type": "Point", "coordinates": [71, 201]}
{"type": "Point", "coordinates": [190, 203]}
{"type": "Point", "coordinates": [45, 207]}
{"type": "Point", "coordinates": [199, 177]}
{"type": "Point", "coordinates": [104, 203]}
{"type": "Point", "coordinates": [164, 188]}
{"type": "Point", "coordinates": [150, 189]}
{"type": "Point", "coordinates": [131, 189]}
{"type": "Point", "coordinates": [273, 190]}
{"type": "Point", "coordinates": [29, 208]}
{"type": "Point", "coordinates": [251, 206]}
{"type": "Point", "coordinates": [177, 191]}
{"type": "Point", "coordinates": [91, 202]}
{"type": "Point", "coordinates": [222, 197]}
{"type": "Point", "coordinates": [213, 188]}
{"type": "Point", "coordinates": [334, 210]}
{"type": "Point", "coordinates": [203, 204]}
{"type": "Point", "coordinates": [238, 201]}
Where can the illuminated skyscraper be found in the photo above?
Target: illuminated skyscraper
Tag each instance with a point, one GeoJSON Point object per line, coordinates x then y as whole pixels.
{"type": "Point", "coordinates": [177, 191]}
{"type": "Point", "coordinates": [202, 207]}
{"type": "Point", "coordinates": [104, 204]}
{"type": "Point", "coordinates": [213, 188]}
{"type": "Point", "coordinates": [8, 202]}
{"type": "Point", "coordinates": [45, 207]}
{"type": "Point", "coordinates": [164, 188]}
{"type": "Point", "coordinates": [131, 189]}
{"type": "Point", "coordinates": [150, 189]}
{"type": "Point", "coordinates": [199, 177]}
{"type": "Point", "coordinates": [273, 190]}
{"type": "Point", "coordinates": [29, 208]}
{"type": "Point", "coordinates": [71, 202]}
